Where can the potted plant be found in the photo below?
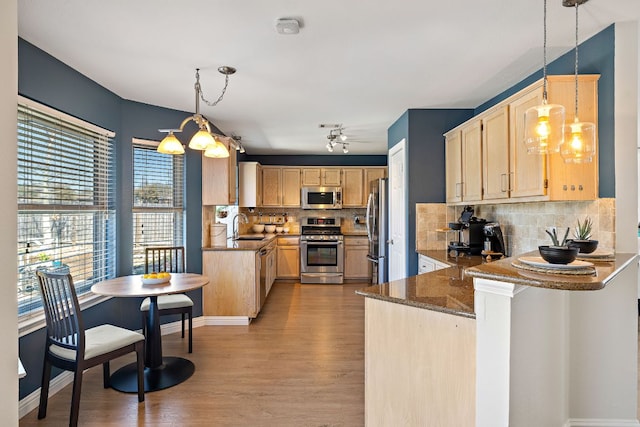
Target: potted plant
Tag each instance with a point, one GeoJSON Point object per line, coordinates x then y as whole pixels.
{"type": "Point", "coordinates": [582, 234]}
{"type": "Point", "coordinates": [560, 252]}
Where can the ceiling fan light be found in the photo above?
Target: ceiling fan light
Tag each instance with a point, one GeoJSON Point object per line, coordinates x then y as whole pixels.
{"type": "Point", "coordinates": [543, 128]}
{"type": "Point", "coordinates": [579, 142]}
{"type": "Point", "coordinates": [201, 140]}
{"type": "Point", "coordinates": [345, 149]}
{"type": "Point", "coordinates": [343, 137]}
{"type": "Point", "coordinates": [329, 147]}
{"type": "Point", "coordinates": [216, 150]}
{"type": "Point", "coordinates": [170, 145]}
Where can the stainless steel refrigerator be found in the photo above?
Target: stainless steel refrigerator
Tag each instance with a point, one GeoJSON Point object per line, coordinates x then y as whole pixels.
{"type": "Point", "coordinates": [377, 229]}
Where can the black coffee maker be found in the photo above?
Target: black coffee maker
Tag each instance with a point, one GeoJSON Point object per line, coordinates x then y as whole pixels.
{"type": "Point", "coordinates": [475, 228]}
{"type": "Point", "coordinates": [493, 234]}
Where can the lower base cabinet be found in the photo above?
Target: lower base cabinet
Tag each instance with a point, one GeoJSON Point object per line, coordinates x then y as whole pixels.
{"type": "Point", "coordinates": [356, 264]}
{"type": "Point", "coordinates": [427, 264]}
{"type": "Point", "coordinates": [288, 258]}
{"type": "Point", "coordinates": [234, 283]}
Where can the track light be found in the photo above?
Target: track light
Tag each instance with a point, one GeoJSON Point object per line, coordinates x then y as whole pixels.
{"type": "Point", "coordinates": [336, 137]}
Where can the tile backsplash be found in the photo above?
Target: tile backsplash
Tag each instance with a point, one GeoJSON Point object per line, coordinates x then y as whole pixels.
{"type": "Point", "coordinates": [522, 224]}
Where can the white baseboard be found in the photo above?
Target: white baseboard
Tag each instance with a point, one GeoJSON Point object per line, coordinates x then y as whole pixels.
{"type": "Point", "coordinates": [226, 320]}
{"type": "Point", "coordinates": [30, 402]}
{"type": "Point", "coordinates": [609, 422]}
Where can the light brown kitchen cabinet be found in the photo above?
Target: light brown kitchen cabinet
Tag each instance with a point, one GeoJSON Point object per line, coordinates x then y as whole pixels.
{"type": "Point", "coordinates": [356, 264]}
{"type": "Point", "coordinates": [291, 187]}
{"type": "Point", "coordinates": [453, 166]}
{"type": "Point", "coordinates": [271, 186]}
{"type": "Point", "coordinates": [353, 187]}
{"type": "Point", "coordinates": [371, 174]}
{"type": "Point", "coordinates": [234, 283]}
{"type": "Point", "coordinates": [219, 179]}
{"type": "Point", "coordinates": [280, 186]}
{"type": "Point", "coordinates": [527, 171]}
{"type": "Point", "coordinates": [495, 153]}
{"type": "Point", "coordinates": [509, 173]}
{"type": "Point", "coordinates": [471, 142]}
{"type": "Point", "coordinates": [288, 258]}
{"type": "Point", "coordinates": [321, 177]}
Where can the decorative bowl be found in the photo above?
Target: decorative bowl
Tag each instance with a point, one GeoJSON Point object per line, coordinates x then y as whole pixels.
{"type": "Point", "coordinates": [156, 281]}
{"type": "Point", "coordinates": [584, 246]}
{"type": "Point", "coordinates": [279, 229]}
{"type": "Point", "coordinates": [269, 228]}
{"type": "Point", "coordinates": [558, 254]}
{"type": "Point", "coordinates": [258, 228]}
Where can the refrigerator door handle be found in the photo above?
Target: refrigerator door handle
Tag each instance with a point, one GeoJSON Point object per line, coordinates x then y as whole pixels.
{"type": "Point", "coordinates": [368, 222]}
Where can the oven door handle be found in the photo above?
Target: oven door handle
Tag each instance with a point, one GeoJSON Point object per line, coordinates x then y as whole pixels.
{"type": "Point", "coordinates": [322, 242]}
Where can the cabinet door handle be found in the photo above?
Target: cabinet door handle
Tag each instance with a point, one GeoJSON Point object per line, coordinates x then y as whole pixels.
{"type": "Point", "coordinates": [504, 183]}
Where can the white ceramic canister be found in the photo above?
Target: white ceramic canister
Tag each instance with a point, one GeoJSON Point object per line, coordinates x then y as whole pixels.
{"type": "Point", "coordinates": [218, 234]}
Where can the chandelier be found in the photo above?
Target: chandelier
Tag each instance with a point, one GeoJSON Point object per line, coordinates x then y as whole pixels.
{"type": "Point", "coordinates": [336, 137]}
{"type": "Point", "coordinates": [204, 139]}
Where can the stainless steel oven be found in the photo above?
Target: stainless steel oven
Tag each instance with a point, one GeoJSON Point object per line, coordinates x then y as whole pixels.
{"type": "Point", "coordinates": [321, 251]}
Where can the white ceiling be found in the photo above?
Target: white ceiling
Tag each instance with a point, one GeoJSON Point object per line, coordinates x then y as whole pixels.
{"type": "Point", "coordinates": [361, 63]}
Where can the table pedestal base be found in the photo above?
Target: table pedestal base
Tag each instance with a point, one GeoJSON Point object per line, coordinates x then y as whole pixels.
{"type": "Point", "coordinates": [173, 371]}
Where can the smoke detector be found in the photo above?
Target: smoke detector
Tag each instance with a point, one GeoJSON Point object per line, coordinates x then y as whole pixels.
{"type": "Point", "coordinates": [287, 26]}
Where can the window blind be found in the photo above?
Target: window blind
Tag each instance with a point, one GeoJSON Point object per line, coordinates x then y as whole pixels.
{"type": "Point", "coordinates": [158, 200]}
{"type": "Point", "coordinates": [66, 209]}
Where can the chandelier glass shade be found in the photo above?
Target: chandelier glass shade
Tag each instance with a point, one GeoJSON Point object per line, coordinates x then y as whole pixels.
{"type": "Point", "coordinates": [203, 139]}
{"type": "Point", "coordinates": [580, 137]}
{"type": "Point", "coordinates": [544, 123]}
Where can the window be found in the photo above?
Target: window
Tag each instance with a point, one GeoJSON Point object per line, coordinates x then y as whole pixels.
{"type": "Point", "coordinates": [66, 212]}
{"type": "Point", "coordinates": [158, 213]}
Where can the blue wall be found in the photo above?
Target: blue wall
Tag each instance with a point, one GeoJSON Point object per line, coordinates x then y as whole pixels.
{"type": "Point", "coordinates": [423, 131]}
{"type": "Point", "coordinates": [44, 79]}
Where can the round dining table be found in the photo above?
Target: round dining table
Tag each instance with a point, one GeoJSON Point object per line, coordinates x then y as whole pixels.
{"type": "Point", "coordinates": [159, 372]}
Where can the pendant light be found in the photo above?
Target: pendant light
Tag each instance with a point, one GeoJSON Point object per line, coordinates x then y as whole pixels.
{"type": "Point", "coordinates": [579, 137]}
{"type": "Point", "coordinates": [543, 124]}
{"type": "Point", "coordinates": [203, 139]}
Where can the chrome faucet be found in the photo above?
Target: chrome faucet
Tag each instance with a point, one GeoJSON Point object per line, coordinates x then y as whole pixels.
{"type": "Point", "coordinates": [245, 220]}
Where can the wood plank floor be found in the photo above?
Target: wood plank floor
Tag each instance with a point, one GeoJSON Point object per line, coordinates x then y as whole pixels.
{"type": "Point", "coordinates": [301, 363]}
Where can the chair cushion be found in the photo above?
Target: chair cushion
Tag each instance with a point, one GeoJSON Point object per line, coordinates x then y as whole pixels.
{"type": "Point", "coordinates": [100, 340]}
{"type": "Point", "coordinates": [168, 301]}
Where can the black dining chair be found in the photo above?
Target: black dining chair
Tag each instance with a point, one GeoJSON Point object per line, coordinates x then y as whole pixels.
{"type": "Point", "coordinates": [171, 260]}
{"type": "Point", "coordinates": [73, 348]}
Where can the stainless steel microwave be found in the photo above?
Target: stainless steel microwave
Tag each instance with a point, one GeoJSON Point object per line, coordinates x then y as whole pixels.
{"type": "Point", "coordinates": [321, 198]}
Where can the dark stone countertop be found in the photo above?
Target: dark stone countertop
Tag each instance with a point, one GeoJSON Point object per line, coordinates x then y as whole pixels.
{"type": "Point", "coordinates": [448, 290]}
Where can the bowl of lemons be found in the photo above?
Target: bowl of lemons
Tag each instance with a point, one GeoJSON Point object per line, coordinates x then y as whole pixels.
{"type": "Point", "coordinates": [156, 278]}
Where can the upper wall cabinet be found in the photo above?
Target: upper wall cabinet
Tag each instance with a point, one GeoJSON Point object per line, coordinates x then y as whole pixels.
{"type": "Point", "coordinates": [321, 177]}
{"type": "Point", "coordinates": [353, 187]}
{"type": "Point", "coordinates": [219, 180]}
{"type": "Point", "coordinates": [250, 184]}
{"type": "Point", "coordinates": [280, 186]}
{"type": "Point", "coordinates": [487, 161]}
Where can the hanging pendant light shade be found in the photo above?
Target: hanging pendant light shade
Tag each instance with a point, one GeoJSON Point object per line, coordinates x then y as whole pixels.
{"type": "Point", "coordinates": [543, 131]}
{"type": "Point", "coordinates": [170, 145]}
{"type": "Point", "coordinates": [580, 137]}
{"type": "Point", "coordinates": [216, 150]}
{"type": "Point", "coordinates": [201, 140]}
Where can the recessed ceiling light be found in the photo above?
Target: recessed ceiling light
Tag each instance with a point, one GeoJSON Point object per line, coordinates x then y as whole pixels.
{"type": "Point", "coordinates": [288, 26]}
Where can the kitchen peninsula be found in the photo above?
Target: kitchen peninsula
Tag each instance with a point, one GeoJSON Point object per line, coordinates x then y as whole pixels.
{"type": "Point", "coordinates": [493, 345]}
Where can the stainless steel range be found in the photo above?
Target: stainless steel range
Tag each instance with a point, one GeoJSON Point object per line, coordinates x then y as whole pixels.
{"type": "Point", "coordinates": [321, 251]}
